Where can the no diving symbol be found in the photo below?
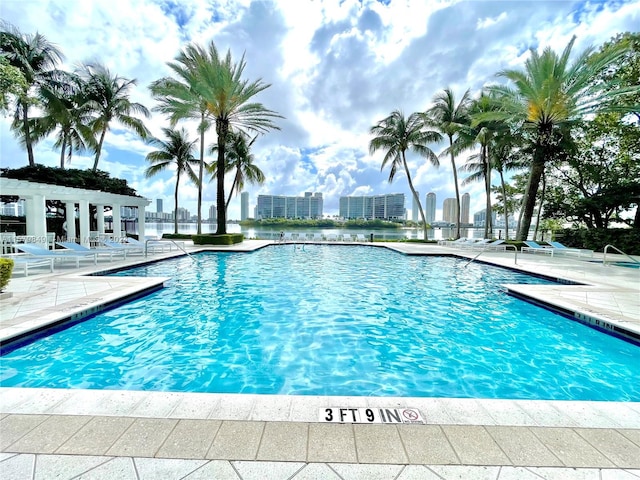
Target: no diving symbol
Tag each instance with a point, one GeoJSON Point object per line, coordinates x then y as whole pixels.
{"type": "Point", "coordinates": [410, 415]}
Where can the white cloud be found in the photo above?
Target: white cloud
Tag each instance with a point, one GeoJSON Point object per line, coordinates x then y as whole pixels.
{"type": "Point", "coordinates": [336, 68]}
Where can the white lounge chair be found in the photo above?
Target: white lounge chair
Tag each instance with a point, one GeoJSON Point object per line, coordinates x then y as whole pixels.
{"type": "Point", "coordinates": [150, 245]}
{"type": "Point", "coordinates": [360, 237]}
{"type": "Point", "coordinates": [563, 249]}
{"type": "Point", "coordinates": [317, 237]}
{"type": "Point", "coordinates": [37, 251]}
{"type": "Point", "coordinates": [128, 249]}
{"type": "Point", "coordinates": [100, 252]}
{"type": "Point", "coordinates": [346, 237]}
{"type": "Point", "coordinates": [332, 237]}
{"type": "Point", "coordinates": [27, 262]}
{"type": "Point", "coordinates": [535, 247]}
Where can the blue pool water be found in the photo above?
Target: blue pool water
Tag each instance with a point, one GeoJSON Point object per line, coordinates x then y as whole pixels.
{"type": "Point", "coordinates": [332, 320]}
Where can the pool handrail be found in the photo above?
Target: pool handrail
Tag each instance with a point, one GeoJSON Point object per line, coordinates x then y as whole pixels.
{"type": "Point", "coordinates": [604, 258]}
{"type": "Point", "coordinates": [146, 249]}
{"type": "Point", "coordinates": [506, 247]}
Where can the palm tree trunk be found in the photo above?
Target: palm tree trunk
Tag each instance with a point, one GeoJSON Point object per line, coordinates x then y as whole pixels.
{"type": "Point", "coordinates": [487, 191]}
{"type": "Point", "coordinates": [233, 187]}
{"type": "Point", "coordinates": [455, 182]}
{"type": "Point", "coordinates": [506, 211]}
{"type": "Point", "coordinates": [99, 149]}
{"type": "Point", "coordinates": [62, 149]}
{"type": "Point", "coordinates": [222, 128]}
{"type": "Point", "coordinates": [27, 135]}
{"type": "Point", "coordinates": [200, 175]}
{"type": "Point", "coordinates": [415, 195]}
{"type": "Point", "coordinates": [175, 199]}
{"type": "Point", "coordinates": [537, 169]}
{"type": "Point", "coordinates": [544, 187]}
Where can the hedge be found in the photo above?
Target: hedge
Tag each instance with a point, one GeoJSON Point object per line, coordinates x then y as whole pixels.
{"type": "Point", "coordinates": [625, 239]}
{"type": "Point", "coordinates": [212, 239]}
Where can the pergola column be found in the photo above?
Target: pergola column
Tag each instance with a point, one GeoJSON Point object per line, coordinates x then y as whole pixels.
{"type": "Point", "coordinates": [141, 223]}
{"type": "Point", "coordinates": [100, 218]}
{"type": "Point", "coordinates": [70, 215]}
{"type": "Point", "coordinates": [117, 221]}
{"type": "Point", "coordinates": [84, 222]}
{"type": "Point", "coordinates": [36, 213]}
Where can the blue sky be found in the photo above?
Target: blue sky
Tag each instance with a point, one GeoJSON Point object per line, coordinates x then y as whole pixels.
{"type": "Point", "coordinates": [336, 68]}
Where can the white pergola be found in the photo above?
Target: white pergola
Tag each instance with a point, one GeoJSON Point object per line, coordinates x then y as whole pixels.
{"type": "Point", "coordinates": [36, 194]}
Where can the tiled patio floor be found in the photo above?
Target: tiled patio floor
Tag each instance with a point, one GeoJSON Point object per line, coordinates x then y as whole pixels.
{"type": "Point", "coordinates": [115, 434]}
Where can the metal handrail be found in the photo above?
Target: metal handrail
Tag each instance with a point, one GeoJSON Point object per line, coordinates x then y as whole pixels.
{"type": "Point", "coordinates": [167, 240]}
{"type": "Point", "coordinates": [515, 256]}
{"type": "Point", "coordinates": [604, 258]}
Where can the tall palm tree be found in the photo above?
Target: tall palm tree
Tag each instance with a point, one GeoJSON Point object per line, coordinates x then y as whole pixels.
{"type": "Point", "coordinates": [109, 98]}
{"type": "Point", "coordinates": [176, 151]}
{"type": "Point", "coordinates": [396, 134]}
{"type": "Point", "coordinates": [448, 118]}
{"type": "Point", "coordinates": [240, 159]}
{"type": "Point", "coordinates": [36, 59]}
{"type": "Point", "coordinates": [552, 92]}
{"type": "Point", "coordinates": [179, 100]}
{"type": "Point", "coordinates": [64, 110]}
{"type": "Point", "coordinates": [228, 100]}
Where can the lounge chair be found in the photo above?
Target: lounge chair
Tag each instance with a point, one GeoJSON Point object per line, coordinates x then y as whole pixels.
{"type": "Point", "coordinates": [150, 245]}
{"type": "Point", "coordinates": [453, 243]}
{"type": "Point", "coordinates": [474, 243]}
{"type": "Point", "coordinates": [534, 247]}
{"type": "Point", "coordinates": [563, 249]}
{"type": "Point", "coordinates": [26, 262]}
{"type": "Point", "coordinates": [487, 244]}
{"type": "Point", "coordinates": [287, 237]}
{"type": "Point", "coordinates": [37, 251]}
{"type": "Point", "coordinates": [360, 237]}
{"type": "Point", "coordinates": [346, 237]}
{"type": "Point", "coordinates": [127, 249]}
{"type": "Point", "coordinates": [100, 252]}
{"type": "Point", "coordinates": [332, 237]}
{"type": "Point", "coordinates": [317, 237]}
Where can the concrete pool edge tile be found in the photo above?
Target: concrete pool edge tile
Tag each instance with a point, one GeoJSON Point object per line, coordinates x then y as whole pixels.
{"type": "Point", "coordinates": [263, 408]}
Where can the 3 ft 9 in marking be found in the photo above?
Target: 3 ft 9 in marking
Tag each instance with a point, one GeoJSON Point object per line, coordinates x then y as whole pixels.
{"type": "Point", "coordinates": [370, 415]}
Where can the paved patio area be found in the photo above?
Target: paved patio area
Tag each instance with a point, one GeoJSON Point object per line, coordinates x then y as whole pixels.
{"type": "Point", "coordinates": [57, 433]}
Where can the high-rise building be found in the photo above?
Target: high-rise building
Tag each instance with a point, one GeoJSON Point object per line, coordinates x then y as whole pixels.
{"type": "Point", "coordinates": [183, 214]}
{"type": "Point", "coordinates": [465, 203]}
{"type": "Point", "coordinates": [213, 213]}
{"type": "Point", "coordinates": [449, 209]}
{"type": "Point", "coordinates": [479, 218]}
{"type": "Point", "coordinates": [414, 208]}
{"type": "Point", "coordinates": [159, 205]}
{"type": "Point", "coordinates": [430, 208]}
{"type": "Point", "coordinates": [383, 207]}
{"type": "Point", "coordinates": [280, 206]}
{"type": "Point", "coordinates": [244, 205]}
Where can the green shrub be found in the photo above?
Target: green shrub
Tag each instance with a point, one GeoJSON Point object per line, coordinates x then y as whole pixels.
{"type": "Point", "coordinates": [6, 268]}
{"type": "Point", "coordinates": [177, 236]}
{"type": "Point", "coordinates": [626, 239]}
{"type": "Point", "coordinates": [212, 239]}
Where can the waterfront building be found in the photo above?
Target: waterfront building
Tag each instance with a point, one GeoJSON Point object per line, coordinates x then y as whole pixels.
{"type": "Point", "coordinates": [382, 207]}
{"type": "Point", "coordinates": [465, 203]}
{"type": "Point", "coordinates": [183, 214]}
{"type": "Point", "coordinates": [430, 208]}
{"type": "Point", "coordinates": [213, 213]}
{"type": "Point", "coordinates": [244, 205]}
{"type": "Point", "coordinates": [415, 208]}
{"type": "Point", "coordinates": [159, 205]}
{"type": "Point", "coordinates": [280, 206]}
{"type": "Point", "coordinates": [449, 210]}
{"type": "Point", "coordinates": [479, 218]}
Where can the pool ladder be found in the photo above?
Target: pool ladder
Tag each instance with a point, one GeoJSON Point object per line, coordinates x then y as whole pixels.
{"type": "Point", "coordinates": [515, 254]}
{"type": "Point", "coordinates": [604, 258]}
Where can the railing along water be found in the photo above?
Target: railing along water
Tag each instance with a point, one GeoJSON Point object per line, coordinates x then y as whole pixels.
{"type": "Point", "coordinates": [604, 258]}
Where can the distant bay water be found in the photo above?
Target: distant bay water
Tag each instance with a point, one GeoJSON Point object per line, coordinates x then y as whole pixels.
{"type": "Point", "coordinates": [267, 233]}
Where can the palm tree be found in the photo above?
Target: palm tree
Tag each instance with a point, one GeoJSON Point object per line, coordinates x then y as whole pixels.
{"type": "Point", "coordinates": [448, 118]}
{"type": "Point", "coordinates": [227, 97]}
{"type": "Point", "coordinates": [176, 151]}
{"type": "Point", "coordinates": [65, 111]}
{"type": "Point", "coordinates": [179, 100]}
{"type": "Point", "coordinates": [549, 93]}
{"type": "Point", "coordinates": [108, 97]}
{"type": "Point", "coordinates": [35, 57]}
{"type": "Point", "coordinates": [396, 134]}
{"type": "Point", "coordinates": [240, 159]}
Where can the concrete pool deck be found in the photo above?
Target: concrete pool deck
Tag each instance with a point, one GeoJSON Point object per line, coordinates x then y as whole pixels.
{"type": "Point", "coordinates": [47, 433]}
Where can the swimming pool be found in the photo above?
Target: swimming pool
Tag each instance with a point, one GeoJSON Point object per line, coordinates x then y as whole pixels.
{"type": "Point", "coordinates": [332, 320]}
